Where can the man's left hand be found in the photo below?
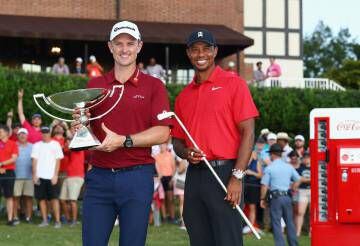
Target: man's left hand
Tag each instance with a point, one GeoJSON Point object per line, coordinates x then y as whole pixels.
{"type": "Point", "coordinates": [111, 142]}
{"type": "Point", "coordinates": [234, 189]}
{"type": "Point", "coordinates": [54, 180]}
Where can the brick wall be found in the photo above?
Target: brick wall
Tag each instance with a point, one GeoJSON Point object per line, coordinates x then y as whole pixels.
{"type": "Point", "coordinates": [99, 9]}
{"type": "Point", "coordinates": [225, 12]}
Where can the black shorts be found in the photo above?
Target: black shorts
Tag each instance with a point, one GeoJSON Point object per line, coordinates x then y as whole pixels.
{"type": "Point", "coordinates": [7, 181]}
{"type": "Point", "coordinates": [46, 191]}
{"type": "Point", "coordinates": [252, 193]}
{"type": "Point", "coordinates": [165, 181]}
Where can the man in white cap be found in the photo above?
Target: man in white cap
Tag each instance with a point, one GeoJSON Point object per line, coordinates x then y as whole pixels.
{"type": "Point", "coordinates": [24, 185]}
{"type": "Point", "coordinates": [120, 183]}
{"type": "Point", "coordinates": [264, 155]}
{"type": "Point", "coordinates": [300, 145]}
{"type": "Point", "coordinates": [94, 69]}
{"type": "Point", "coordinates": [283, 140]}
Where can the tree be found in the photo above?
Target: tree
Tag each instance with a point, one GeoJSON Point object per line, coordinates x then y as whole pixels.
{"type": "Point", "coordinates": [324, 52]}
{"type": "Point", "coordinates": [348, 74]}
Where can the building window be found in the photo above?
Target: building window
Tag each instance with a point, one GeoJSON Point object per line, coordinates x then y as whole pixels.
{"type": "Point", "coordinates": [275, 43]}
{"type": "Point", "coordinates": [275, 13]}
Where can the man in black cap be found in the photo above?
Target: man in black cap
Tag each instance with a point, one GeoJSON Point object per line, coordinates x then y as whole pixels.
{"type": "Point", "coordinates": [218, 110]}
{"type": "Point", "coordinates": [277, 178]}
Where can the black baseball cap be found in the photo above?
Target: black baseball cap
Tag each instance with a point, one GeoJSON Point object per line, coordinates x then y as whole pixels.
{"type": "Point", "coordinates": [275, 148]}
{"type": "Point", "coordinates": [36, 115]}
{"type": "Point", "coordinates": [201, 35]}
{"type": "Point", "coordinates": [45, 129]}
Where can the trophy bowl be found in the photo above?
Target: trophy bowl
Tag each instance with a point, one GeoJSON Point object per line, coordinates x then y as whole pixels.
{"type": "Point", "coordinates": [82, 99]}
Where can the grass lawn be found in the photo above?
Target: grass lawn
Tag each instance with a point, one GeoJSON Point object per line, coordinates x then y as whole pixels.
{"type": "Point", "coordinates": [166, 235]}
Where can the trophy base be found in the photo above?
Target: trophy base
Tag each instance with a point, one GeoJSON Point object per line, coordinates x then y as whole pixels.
{"type": "Point", "coordinates": [83, 139]}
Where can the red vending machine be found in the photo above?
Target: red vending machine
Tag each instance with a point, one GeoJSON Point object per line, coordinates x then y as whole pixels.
{"type": "Point", "coordinates": [335, 176]}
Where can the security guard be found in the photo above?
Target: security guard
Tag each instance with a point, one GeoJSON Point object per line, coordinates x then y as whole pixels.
{"type": "Point", "coordinates": [277, 178]}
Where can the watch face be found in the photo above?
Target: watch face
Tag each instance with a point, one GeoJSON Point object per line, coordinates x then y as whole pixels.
{"type": "Point", "coordinates": [128, 143]}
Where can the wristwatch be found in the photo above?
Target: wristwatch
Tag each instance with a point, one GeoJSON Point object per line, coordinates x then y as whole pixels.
{"type": "Point", "coordinates": [128, 143]}
{"type": "Point", "coordinates": [238, 174]}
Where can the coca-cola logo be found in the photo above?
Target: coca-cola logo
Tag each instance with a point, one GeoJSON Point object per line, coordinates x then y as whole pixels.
{"type": "Point", "coordinates": [348, 125]}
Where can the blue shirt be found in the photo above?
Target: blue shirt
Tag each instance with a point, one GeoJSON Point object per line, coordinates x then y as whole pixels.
{"type": "Point", "coordinates": [23, 167]}
{"type": "Point", "coordinates": [278, 175]}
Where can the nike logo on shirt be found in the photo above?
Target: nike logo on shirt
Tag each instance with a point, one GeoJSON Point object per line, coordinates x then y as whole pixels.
{"type": "Point", "coordinates": [216, 88]}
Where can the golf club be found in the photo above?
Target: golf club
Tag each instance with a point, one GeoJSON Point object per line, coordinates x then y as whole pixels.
{"type": "Point", "coordinates": [165, 115]}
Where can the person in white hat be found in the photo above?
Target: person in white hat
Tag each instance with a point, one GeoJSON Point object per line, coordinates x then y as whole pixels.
{"type": "Point", "coordinates": [94, 69]}
{"type": "Point", "coordinates": [24, 185]}
{"type": "Point", "coordinates": [78, 66]}
{"type": "Point", "coordinates": [300, 145]}
{"type": "Point", "coordinates": [121, 180]}
{"type": "Point", "coordinates": [264, 155]}
{"type": "Point", "coordinates": [283, 140]}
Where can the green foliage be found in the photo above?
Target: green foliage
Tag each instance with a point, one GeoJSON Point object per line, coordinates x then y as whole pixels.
{"type": "Point", "coordinates": [348, 74]}
{"type": "Point", "coordinates": [11, 80]}
{"type": "Point", "coordinates": [324, 53]}
{"type": "Point", "coordinates": [280, 109]}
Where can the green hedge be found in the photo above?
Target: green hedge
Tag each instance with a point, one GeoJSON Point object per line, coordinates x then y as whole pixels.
{"type": "Point", "coordinates": [280, 109]}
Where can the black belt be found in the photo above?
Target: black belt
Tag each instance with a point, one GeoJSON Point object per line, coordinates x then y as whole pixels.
{"type": "Point", "coordinates": [120, 169]}
{"type": "Point", "coordinates": [216, 163]}
{"type": "Point", "coordinates": [277, 193]}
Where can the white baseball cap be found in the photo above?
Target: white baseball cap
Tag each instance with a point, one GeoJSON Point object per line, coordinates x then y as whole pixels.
{"type": "Point", "coordinates": [125, 27]}
{"type": "Point", "coordinates": [271, 136]}
{"type": "Point", "coordinates": [264, 131]}
{"type": "Point", "coordinates": [79, 59]}
{"type": "Point", "coordinates": [22, 130]}
{"type": "Point", "coordinates": [300, 137]}
{"type": "Point", "coordinates": [92, 58]}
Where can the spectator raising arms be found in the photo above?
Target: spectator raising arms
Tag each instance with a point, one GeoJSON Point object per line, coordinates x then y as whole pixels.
{"type": "Point", "coordinates": [33, 128]}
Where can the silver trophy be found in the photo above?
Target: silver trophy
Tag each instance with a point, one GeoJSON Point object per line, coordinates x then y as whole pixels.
{"type": "Point", "coordinates": [83, 99]}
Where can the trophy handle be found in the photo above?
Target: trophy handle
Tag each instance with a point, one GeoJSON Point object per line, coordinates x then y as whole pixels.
{"type": "Point", "coordinates": [36, 96]}
{"type": "Point", "coordinates": [120, 87]}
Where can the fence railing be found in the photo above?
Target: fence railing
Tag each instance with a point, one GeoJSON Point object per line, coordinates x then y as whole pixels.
{"type": "Point", "coordinates": [313, 83]}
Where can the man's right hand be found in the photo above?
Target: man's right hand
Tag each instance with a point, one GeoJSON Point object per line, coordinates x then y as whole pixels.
{"type": "Point", "coordinates": [36, 180]}
{"type": "Point", "coordinates": [76, 116]}
{"type": "Point", "coordinates": [20, 93]}
{"type": "Point", "coordinates": [194, 156]}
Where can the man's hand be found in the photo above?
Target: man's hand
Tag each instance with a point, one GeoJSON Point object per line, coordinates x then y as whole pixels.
{"type": "Point", "coordinates": [194, 156]}
{"type": "Point", "coordinates": [262, 203]}
{"type": "Point", "coordinates": [76, 116]}
{"type": "Point", "coordinates": [54, 180]}
{"type": "Point", "coordinates": [111, 142]}
{"type": "Point", "coordinates": [20, 93]}
{"type": "Point", "coordinates": [234, 189]}
{"type": "Point", "coordinates": [10, 114]}
{"type": "Point", "coordinates": [35, 179]}
{"type": "Point", "coordinates": [2, 170]}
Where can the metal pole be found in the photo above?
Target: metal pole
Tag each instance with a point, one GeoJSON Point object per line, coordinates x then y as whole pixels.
{"type": "Point", "coordinates": [238, 61]}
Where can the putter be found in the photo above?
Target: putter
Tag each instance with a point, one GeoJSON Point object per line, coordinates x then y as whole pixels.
{"type": "Point", "coordinates": [165, 115]}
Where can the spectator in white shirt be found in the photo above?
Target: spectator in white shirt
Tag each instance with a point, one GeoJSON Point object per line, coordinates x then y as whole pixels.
{"type": "Point", "coordinates": [46, 156]}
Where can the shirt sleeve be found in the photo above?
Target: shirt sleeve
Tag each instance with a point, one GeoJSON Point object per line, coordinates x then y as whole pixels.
{"type": "Point", "coordinates": [294, 175]}
{"type": "Point", "coordinates": [58, 153]}
{"type": "Point", "coordinates": [265, 180]}
{"type": "Point", "coordinates": [243, 106]}
{"type": "Point", "coordinates": [159, 104]}
{"type": "Point", "coordinates": [177, 131]}
{"type": "Point", "coordinates": [35, 152]}
{"type": "Point", "coordinates": [15, 149]}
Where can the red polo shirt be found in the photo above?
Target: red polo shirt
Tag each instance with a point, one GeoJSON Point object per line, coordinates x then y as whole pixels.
{"type": "Point", "coordinates": [143, 99]}
{"type": "Point", "coordinates": [7, 149]}
{"type": "Point", "coordinates": [212, 110]}
{"type": "Point", "coordinates": [34, 134]}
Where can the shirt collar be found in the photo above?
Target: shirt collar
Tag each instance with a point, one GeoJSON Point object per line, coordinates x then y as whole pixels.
{"type": "Point", "coordinates": [212, 78]}
{"type": "Point", "coordinates": [134, 78]}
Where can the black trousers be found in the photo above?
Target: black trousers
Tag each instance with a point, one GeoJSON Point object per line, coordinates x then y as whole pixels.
{"type": "Point", "coordinates": [209, 219]}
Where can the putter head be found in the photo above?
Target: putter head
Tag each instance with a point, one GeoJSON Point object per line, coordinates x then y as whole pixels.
{"type": "Point", "coordinates": [165, 115]}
